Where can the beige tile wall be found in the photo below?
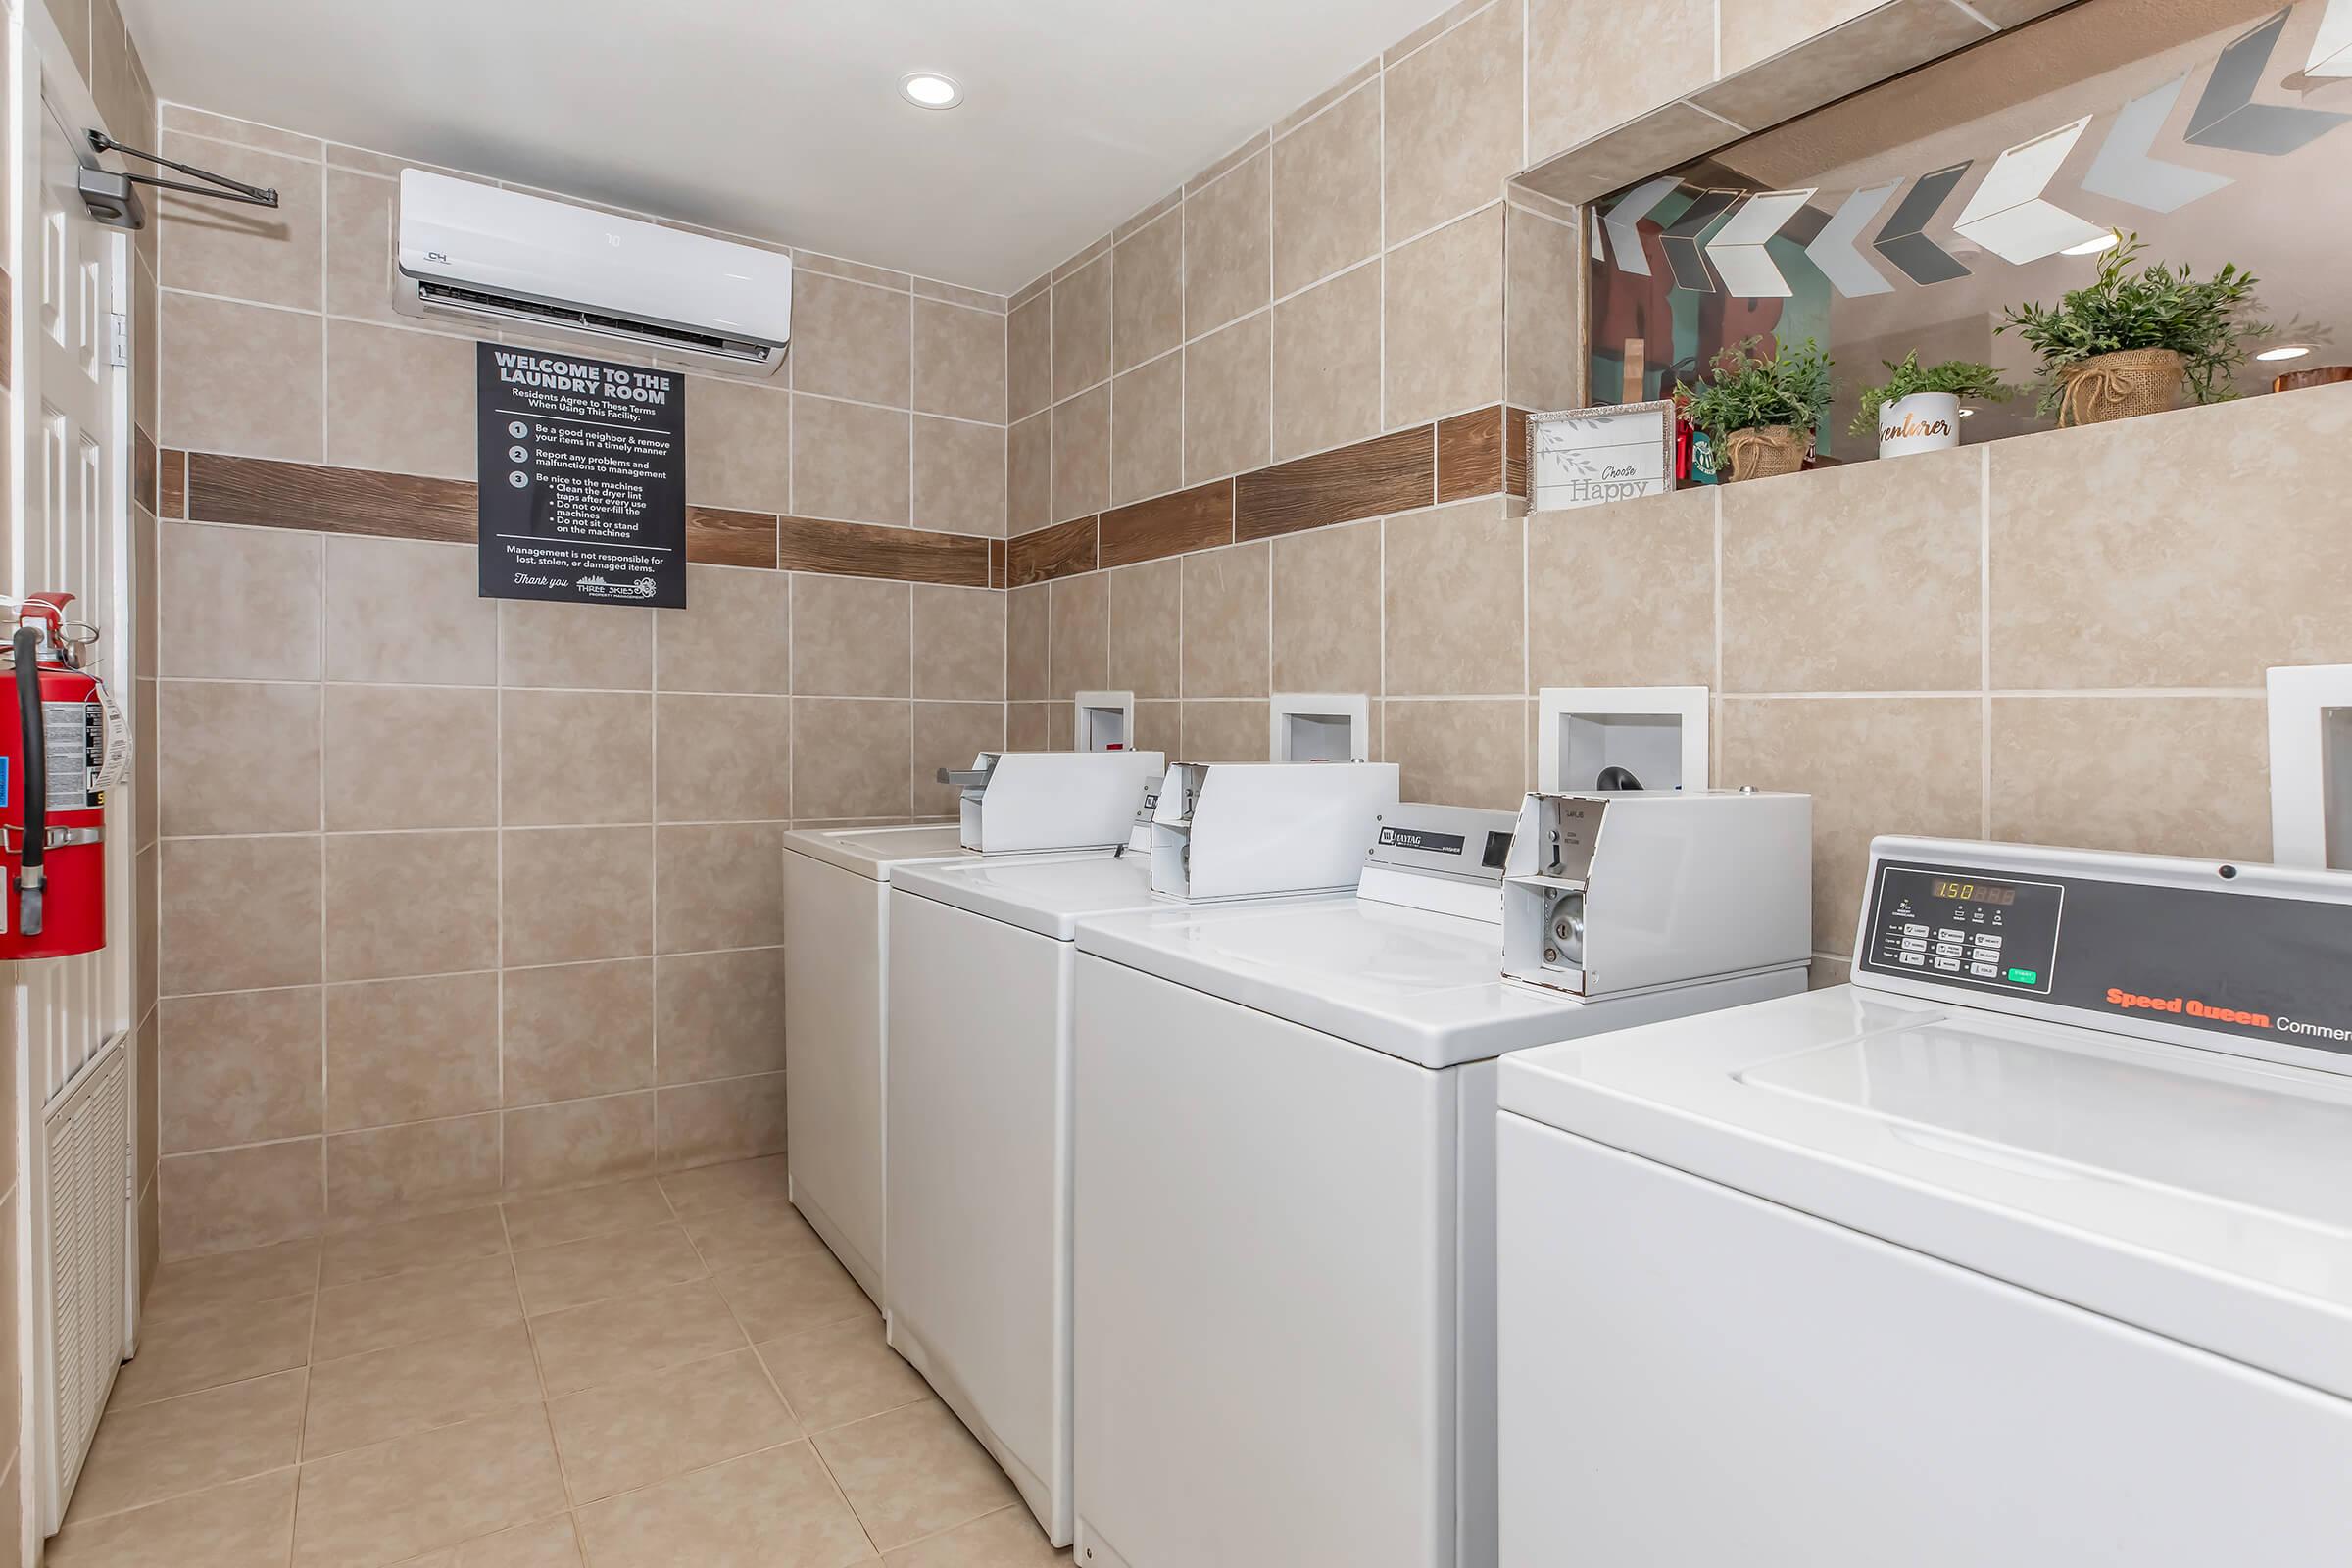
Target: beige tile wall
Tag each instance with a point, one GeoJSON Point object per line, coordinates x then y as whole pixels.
{"type": "Point", "coordinates": [487, 899]}
{"type": "Point", "coordinates": [1339, 275]}
{"type": "Point", "coordinates": [1354, 268]}
{"type": "Point", "coordinates": [2058, 638]}
{"type": "Point", "coordinates": [1986, 643]}
{"type": "Point", "coordinates": [461, 896]}
{"type": "Point", "coordinates": [280, 342]}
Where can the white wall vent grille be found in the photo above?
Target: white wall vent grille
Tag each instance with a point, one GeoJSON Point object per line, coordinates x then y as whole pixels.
{"type": "Point", "coordinates": [89, 1249]}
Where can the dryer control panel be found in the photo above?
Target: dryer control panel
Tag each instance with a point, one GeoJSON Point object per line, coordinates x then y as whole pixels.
{"type": "Point", "coordinates": [2253, 960]}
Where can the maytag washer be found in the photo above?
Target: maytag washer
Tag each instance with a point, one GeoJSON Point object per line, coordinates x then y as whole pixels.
{"type": "Point", "coordinates": [980, 1155]}
{"type": "Point", "coordinates": [1285, 1205]}
{"type": "Point", "coordinates": [2032, 1244]}
{"type": "Point", "coordinates": [836, 954]}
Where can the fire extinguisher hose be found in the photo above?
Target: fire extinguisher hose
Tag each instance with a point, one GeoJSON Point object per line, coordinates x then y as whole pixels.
{"type": "Point", "coordinates": [30, 877]}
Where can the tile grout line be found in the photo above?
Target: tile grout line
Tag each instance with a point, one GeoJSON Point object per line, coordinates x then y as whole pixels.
{"type": "Point", "coordinates": [530, 1337]}
{"type": "Point", "coordinates": [653, 903]}
{"type": "Point", "coordinates": [1715, 725]}
{"type": "Point", "coordinates": [303, 1431]}
{"type": "Point", "coordinates": [498, 869]}
{"type": "Point", "coordinates": [327, 1082]}
{"type": "Point", "coordinates": [1984, 640]}
{"type": "Point", "coordinates": [753, 1344]}
{"type": "Point", "coordinates": [1378, 257]}
{"type": "Point", "coordinates": [546, 1403]}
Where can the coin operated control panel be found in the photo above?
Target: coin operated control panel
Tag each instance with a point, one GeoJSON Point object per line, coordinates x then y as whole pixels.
{"type": "Point", "coordinates": [1013, 802]}
{"type": "Point", "coordinates": [1607, 892]}
{"type": "Point", "coordinates": [2251, 959]}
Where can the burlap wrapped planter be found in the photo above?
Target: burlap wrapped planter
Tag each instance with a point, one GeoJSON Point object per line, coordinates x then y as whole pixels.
{"type": "Point", "coordinates": [1760, 454]}
{"type": "Point", "coordinates": [2119, 385]}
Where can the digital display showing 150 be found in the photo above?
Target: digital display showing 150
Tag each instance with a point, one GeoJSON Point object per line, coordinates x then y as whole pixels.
{"type": "Point", "coordinates": [1976, 893]}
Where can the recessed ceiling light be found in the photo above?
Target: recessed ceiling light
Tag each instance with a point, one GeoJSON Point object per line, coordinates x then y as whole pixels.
{"type": "Point", "coordinates": [2091, 247]}
{"type": "Point", "coordinates": [1967, 412]}
{"type": "Point", "coordinates": [928, 89]}
{"type": "Point", "coordinates": [2285, 351]}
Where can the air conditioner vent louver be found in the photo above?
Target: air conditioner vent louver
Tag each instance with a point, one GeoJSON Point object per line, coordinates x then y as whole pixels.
{"type": "Point", "coordinates": [482, 254]}
{"type": "Point", "coordinates": [473, 302]}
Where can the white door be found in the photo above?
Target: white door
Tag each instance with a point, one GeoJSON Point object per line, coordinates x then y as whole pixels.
{"type": "Point", "coordinates": [75, 540]}
{"type": "Point", "coordinates": [70, 484]}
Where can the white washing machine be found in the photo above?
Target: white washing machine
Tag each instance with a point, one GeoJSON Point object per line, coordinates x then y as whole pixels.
{"type": "Point", "coordinates": [836, 952]}
{"type": "Point", "coordinates": [2032, 1244]}
{"type": "Point", "coordinates": [979, 1192]}
{"type": "Point", "coordinates": [836, 884]}
{"type": "Point", "coordinates": [1285, 1207]}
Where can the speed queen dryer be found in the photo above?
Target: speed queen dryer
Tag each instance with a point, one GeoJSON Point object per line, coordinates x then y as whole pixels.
{"type": "Point", "coordinates": [836, 945]}
{"type": "Point", "coordinates": [2032, 1244]}
{"type": "Point", "coordinates": [978, 1293]}
{"type": "Point", "coordinates": [1284, 1123]}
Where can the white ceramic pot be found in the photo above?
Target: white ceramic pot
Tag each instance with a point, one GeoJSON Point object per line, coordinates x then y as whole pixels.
{"type": "Point", "coordinates": [1924, 421]}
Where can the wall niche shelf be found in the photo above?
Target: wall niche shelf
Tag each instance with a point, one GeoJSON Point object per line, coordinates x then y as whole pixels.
{"type": "Point", "coordinates": [1903, 182]}
{"type": "Point", "coordinates": [1862, 52]}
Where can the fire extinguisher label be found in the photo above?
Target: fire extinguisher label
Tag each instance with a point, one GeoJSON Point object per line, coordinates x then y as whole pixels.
{"type": "Point", "coordinates": [76, 746]}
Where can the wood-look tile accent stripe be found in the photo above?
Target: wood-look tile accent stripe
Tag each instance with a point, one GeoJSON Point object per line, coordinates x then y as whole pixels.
{"type": "Point", "coordinates": [1175, 524]}
{"type": "Point", "coordinates": [1470, 455]}
{"type": "Point", "coordinates": [1473, 454]}
{"type": "Point", "coordinates": [718, 537]}
{"type": "Point", "coordinates": [1064, 550]}
{"type": "Point", "coordinates": [1393, 472]}
{"type": "Point", "coordinates": [210, 487]}
{"type": "Point", "coordinates": [866, 549]}
{"type": "Point", "coordinates": [300, 495]}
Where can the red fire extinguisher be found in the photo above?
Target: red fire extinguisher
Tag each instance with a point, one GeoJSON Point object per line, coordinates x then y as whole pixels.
{"type": "Point", "coordinates": [61, 744]}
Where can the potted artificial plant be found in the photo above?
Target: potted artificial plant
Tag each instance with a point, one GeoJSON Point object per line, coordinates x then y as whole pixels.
{"type": "Point", "coordinates": [1916, 407]}
{"type": "Point", "coordinates": [2138, 339]}
{"type": "Point", "coordinates": [1761, 413]}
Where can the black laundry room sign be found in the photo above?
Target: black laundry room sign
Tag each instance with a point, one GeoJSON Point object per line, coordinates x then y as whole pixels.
{"type": "Point", "coordinates": [583, 467]}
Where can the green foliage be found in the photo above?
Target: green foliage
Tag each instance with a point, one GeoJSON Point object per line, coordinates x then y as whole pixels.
{"type": "Point", "coordinates": [1963, 378]}
{"type": "Point", "coordinates": [1749, 393]}
{"type": "Point", "coordinates": [2152, 307]}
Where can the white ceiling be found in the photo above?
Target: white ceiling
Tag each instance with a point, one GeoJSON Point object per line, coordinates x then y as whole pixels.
{"type": "Point", "coordinates": [781, 118]}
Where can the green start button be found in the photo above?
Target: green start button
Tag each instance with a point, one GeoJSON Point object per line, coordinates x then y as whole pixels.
{"type": "Point", "coordinates": [2024, 977]}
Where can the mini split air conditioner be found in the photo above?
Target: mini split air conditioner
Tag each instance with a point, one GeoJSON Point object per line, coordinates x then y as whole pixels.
{"type": "Point", "coordinates": [483, 255]}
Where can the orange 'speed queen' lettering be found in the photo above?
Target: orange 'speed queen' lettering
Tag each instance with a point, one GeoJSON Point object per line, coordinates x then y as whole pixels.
{"type": "Point", "coordinates": [2251, 1020]}
{"type": "Point", "coordinates": [2188, 1005]}
{"type": "Point", "coordinates": [2128, 1001]}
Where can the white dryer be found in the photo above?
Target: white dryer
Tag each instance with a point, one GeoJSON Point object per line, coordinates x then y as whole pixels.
{"type": "Point", "coordinates": [2032, 1244]}
{"type": "Point", "coordinates": [1284, 1208]}
{"type": "Point", "coordinates": [837, 949]}
{"type": "Point", "coordinates": [980, 1160]}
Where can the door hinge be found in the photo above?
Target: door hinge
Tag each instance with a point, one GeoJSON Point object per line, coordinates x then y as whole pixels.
{"type": "Point", "coordinates": [118, 338]}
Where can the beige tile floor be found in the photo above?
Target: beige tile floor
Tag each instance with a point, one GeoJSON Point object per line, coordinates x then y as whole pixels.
{"type": "Point", "coordinates": [665, 1371]}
